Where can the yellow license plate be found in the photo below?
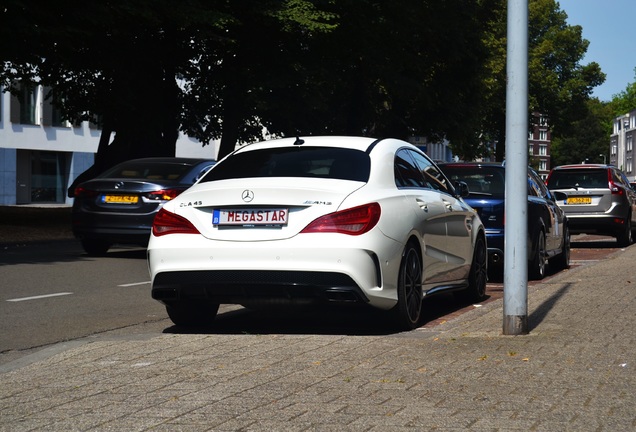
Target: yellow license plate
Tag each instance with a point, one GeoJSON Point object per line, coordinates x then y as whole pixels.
{"type": "Point", "coordinates": [120, 199]}
{"type": "Point", "coordinates": [579, 200]}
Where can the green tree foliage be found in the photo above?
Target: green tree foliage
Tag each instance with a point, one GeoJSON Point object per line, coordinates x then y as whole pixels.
{"type": "Point", "coordinates": [218, 69]}
{"type": "Point", "coordinates": [371, 68]}
{"type": "Point", "coordinates": [294, 66]}
{"type": "Point", "coordinates": [625, 101]}
{"type": "Point", "coordinates": [558, 85]}
{"type": "Point", "coordinates": [588, 138]}
{"type": "Point", "coordinates": [116, 60]}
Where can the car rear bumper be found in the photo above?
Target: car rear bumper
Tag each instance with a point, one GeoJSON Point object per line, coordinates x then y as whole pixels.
{"type": "Point", "coordinates": [122, 235]}
{"type": "Point", "coordinates": [257, 287]}
{"type": "Point", "coordinates": [290, 271]}
{"type": "Point", "coordinates": [113, 228]}
{"type": "Point", "coordinates": [602, 224]}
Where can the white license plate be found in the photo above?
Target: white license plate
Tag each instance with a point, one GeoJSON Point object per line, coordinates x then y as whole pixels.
{"type": "Point", "coordinates": [260, 217]}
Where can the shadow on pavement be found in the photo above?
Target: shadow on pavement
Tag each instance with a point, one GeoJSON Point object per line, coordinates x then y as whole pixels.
{"type": "Point", "coordinates": [354, 320]}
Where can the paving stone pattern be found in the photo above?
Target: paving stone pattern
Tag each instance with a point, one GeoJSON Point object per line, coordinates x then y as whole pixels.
{"type": "Point", "coordinates": [575, 371]}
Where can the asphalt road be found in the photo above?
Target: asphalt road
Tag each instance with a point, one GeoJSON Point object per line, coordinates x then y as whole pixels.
{"type": "Point", "coordinates": [53, 292]}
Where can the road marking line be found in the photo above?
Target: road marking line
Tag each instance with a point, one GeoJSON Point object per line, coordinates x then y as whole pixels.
{"type": "Point", "coordinates": [39, 297]}
{"type": "Point", "coordinates": [134, 284]}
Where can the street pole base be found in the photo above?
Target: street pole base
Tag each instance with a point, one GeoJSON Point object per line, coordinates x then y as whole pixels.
{"type": "Point", "coordinates": [515, 325]}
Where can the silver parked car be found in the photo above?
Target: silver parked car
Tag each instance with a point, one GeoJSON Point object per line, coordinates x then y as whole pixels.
{"type": "Point", "coordinates": [597, 199]}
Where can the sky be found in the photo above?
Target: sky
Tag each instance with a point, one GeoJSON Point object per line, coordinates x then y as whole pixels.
{"type": "Point", "coordinates": [609, 27]}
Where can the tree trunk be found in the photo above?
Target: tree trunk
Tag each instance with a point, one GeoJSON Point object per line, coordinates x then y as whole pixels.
{"type": "Point", "coordinates": [144, 118]}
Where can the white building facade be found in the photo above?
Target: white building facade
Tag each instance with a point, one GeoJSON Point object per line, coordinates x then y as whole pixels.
{"type": "Point", "coordinates": [41, 155]}
{"type": "Point", "coordinates": [622, 144]}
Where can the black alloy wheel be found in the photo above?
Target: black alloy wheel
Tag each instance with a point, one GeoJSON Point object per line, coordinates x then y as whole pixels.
{"type": "Point", "coordinates": [536, 264]}
{"type": "Point", "coordinates": [478, 278]}
{"type": "Point", "coordinates": [409, 289]}
{"type": "Point", "coordinates": [562, 260]}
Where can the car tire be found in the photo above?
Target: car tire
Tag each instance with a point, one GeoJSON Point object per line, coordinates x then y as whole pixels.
{"type": "Point", "coordinates": [408, 310]}
{"type": "Point", "coordinates": [624, 238]}
{"type": "Point", "coordinates": [562, 260]}
{"type": "Point", "coordinates": [478, 277]}
{"type": "Point", "coordinates": [536, 264]}
{"type": "Point", "coordinates": [95, 247]}
{"type": "Point", "coordinates": [192, 314]}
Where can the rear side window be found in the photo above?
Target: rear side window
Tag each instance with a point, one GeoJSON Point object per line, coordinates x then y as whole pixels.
{"type": "Point", "coordinates": [481, 181]}
{"type": "Point", "coordinates": [573, 178]}
{"type": "Point", "coordinates": [148, 171]}
{"type": "Point", "coordinates": [322, 162]}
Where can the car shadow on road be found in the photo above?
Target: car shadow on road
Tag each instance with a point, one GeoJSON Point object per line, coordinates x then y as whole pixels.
{"type": "Point", "coordinates": [350, 320]}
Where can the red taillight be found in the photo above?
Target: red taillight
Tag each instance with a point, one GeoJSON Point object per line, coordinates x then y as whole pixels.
{"type": "Point", "coordinates": [353, 221]}
{"type": "Point", "coordinates": [164, 194]}
{"type": "Point", "coordinates": [84, 193]}
{"type": "Point", "coordinates": [169, 223]}
{"type": "Point", "coordinates": [616, 190]}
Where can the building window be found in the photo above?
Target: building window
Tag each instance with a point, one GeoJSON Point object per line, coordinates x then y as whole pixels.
{"type": "Point", "coordinates": [543, 150]}
{"type": "Point", "coordinates": [629, 139]}
{"type": "Point", "coordinates": [51, 114]}
{"type": "Point", "coordinates": [531, 149]}
{"type": "Point", "coordinates": [24, 105]}
{"type": "Point", "coordinates": [543, 135]}
{"type": "Point", "coordinates": [614, 146]}
{"type": "Point", "coordinates": [48, 178]}
{"type": "Point", "coordinates": [543, 165]}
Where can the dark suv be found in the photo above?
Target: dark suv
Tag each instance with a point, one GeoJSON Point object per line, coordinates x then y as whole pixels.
{"type": "Point", "coordinates": [598, 199]}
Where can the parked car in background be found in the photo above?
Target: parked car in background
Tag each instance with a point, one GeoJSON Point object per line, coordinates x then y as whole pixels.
{"type": "Point", "coordinates": [317, 220]}
{"type": "Point", "coordinates": [548, 233]}
{"type": "Point", "coordinates": [119, 205]}
{"type": "Point", "coordinates": [598, 199]}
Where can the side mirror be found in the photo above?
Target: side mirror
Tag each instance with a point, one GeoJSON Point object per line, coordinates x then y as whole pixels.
{"type": "Point", "coordinates": [462, 189]}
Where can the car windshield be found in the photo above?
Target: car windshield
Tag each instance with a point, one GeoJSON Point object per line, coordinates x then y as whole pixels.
{"type": "Point", "coordinates": [481, 180]}
{"type": "Point", "coordinates": [574, 178]}
{"type": "Point", "coordinates": [321, 162]}
{"type": "Point", "coordinates": [148, 171]}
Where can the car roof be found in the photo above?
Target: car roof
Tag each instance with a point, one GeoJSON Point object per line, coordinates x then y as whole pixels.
{"type": "Point", "coordinates": [179, 160]}
{"type": "Point", "coordinates": [352, 142]}
{"type": "Point", "coordinates": [472, 164]}
{"type": "Point", "coordinates": [583, 166]}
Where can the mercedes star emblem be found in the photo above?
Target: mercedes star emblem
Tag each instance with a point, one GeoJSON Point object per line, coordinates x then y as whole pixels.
{"type": "Point", "coordinates": [248, 195]}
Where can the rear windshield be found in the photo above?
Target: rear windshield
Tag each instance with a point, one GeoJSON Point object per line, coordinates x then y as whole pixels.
{"type": "Point", "coordinates": [148, 171]}
{"type": "Point", "coordinates": [572, 178]}
{"type": "Point", "coordinates": [489, 181]}
{"type": "Point", "coordinates": [322, 162]}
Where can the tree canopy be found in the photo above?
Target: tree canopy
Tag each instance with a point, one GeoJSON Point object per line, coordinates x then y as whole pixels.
{"type": "Point", "coordinates": [558, 84]}
{"type": "Point", "coordinates": [225, 70]}
{"type": "Point", "coordinates": [625, 101]}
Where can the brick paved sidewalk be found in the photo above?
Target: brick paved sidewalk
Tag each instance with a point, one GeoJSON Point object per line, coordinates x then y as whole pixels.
{"type": "Point", "coordinates": [575, 371]}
